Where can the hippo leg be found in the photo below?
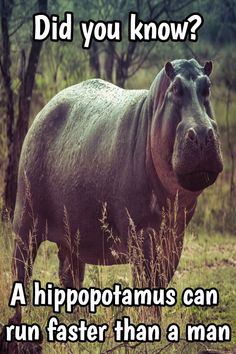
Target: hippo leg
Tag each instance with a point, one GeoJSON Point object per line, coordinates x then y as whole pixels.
{"type": "Point", "coordinates": [170, 252]}
{"type": "Point", "coordinates": [23, 259]}
{"type": "Point", "coordinates": [24, 254]}
{"type": "Point", "coordinates": [155, 267]}
{"type": "Point", "coordinates": [71, 269]}
{"type": "Point", "coordinates": [161, 256]}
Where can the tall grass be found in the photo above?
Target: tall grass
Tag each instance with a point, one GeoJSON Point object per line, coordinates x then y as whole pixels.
{"type": "Point", "coordinates": [163, 249]}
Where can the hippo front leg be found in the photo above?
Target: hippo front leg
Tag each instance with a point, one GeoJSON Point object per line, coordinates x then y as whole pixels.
{"type": "Point", "coordinates": [155, 259]}
{"type": "Point", "coordinates": [162, 251]}
{"type": "Point", "coordinates": [71, 269]}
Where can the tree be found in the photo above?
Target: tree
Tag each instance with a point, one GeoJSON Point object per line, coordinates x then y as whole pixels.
{"type": "Point", "coordinates": [121, 60]}
{"type": "Point", "coordinates": [228, 77]}
{"type": "Point", "coordinates": [17, 117]}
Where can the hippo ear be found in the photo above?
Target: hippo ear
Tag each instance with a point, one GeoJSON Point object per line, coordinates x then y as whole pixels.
{"type": "Point", "coordinates": [170, 72]}
{"type": "Point", "coordinates": [208, 68]}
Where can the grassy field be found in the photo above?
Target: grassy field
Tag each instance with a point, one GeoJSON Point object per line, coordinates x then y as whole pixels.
{"type": "Point", "coordinates": [207, 261]}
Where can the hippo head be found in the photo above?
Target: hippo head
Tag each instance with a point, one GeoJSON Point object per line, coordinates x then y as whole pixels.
{"type": "Point", "coordinates": [187, 135]}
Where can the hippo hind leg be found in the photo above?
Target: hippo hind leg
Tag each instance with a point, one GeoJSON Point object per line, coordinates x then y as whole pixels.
{"type": "Point", "coordinates": [24, 254]}
{"type": "Point", "coordinates": [26, 244]}
{"type": "Point", "coordinates": [71, 269]}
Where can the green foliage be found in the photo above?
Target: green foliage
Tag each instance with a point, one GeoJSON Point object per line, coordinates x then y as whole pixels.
{"type": "Point", "coordinates": [215, 210]}
{"type": "Point", "coordinates": [55, 70]}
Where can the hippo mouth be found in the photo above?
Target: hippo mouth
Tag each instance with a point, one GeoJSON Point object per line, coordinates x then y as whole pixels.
{"type": "Point", "coordinates": [196, 181]}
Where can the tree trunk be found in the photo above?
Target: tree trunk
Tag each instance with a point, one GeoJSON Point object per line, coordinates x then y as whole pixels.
{"type": "Point", "coordinates": [25, 96]}
{"type": "Point", "coordinates": [123, 63]}
{"type": "Point", "coordinates": [121, 72]}
{"type": "Point", "coordinates": [6, 10]}
{"type": "Point", "coordinates": [230, 145]}
{"type": "Point", "coordinates": [109, 61]}
{"type": "Point", "coordinates": [94, 59]}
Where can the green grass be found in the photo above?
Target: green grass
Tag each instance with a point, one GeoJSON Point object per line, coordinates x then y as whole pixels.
{"type": "Point", "coordinates": [207, 261]}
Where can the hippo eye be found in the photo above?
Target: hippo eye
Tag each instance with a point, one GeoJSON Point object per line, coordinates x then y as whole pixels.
{"type": "Point", "coordinates": [177, 89]}
{"type": "Point", "coordinates": [206, 90]}
{"type": "Point", "coordinates": [205, 86]}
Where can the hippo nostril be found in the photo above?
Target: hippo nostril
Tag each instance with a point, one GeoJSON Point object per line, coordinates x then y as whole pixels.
{"type": "Point", "coordinates": [192, 134]}
{"type": "Point", "coordinates": [210, 134]}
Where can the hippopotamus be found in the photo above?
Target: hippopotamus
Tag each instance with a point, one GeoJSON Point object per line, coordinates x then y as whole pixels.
{"type": "Point", "coordinates": [134, 160]}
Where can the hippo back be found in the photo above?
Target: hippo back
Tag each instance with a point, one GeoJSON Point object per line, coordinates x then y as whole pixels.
{"type": "Point", "coordinates": [78, 155]}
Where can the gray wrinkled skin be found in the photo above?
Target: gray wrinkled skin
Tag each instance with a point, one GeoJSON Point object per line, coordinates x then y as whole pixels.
{"type": "Point", "coordinates": [95, 143]}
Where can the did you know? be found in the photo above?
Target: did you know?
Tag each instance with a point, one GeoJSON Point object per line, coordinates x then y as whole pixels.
{"type": "Point", "coordinates": [52, 27]}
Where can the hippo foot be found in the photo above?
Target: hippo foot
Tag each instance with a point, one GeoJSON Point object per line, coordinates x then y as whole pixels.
{"type": "Point", "coordinates": [15, 347]}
